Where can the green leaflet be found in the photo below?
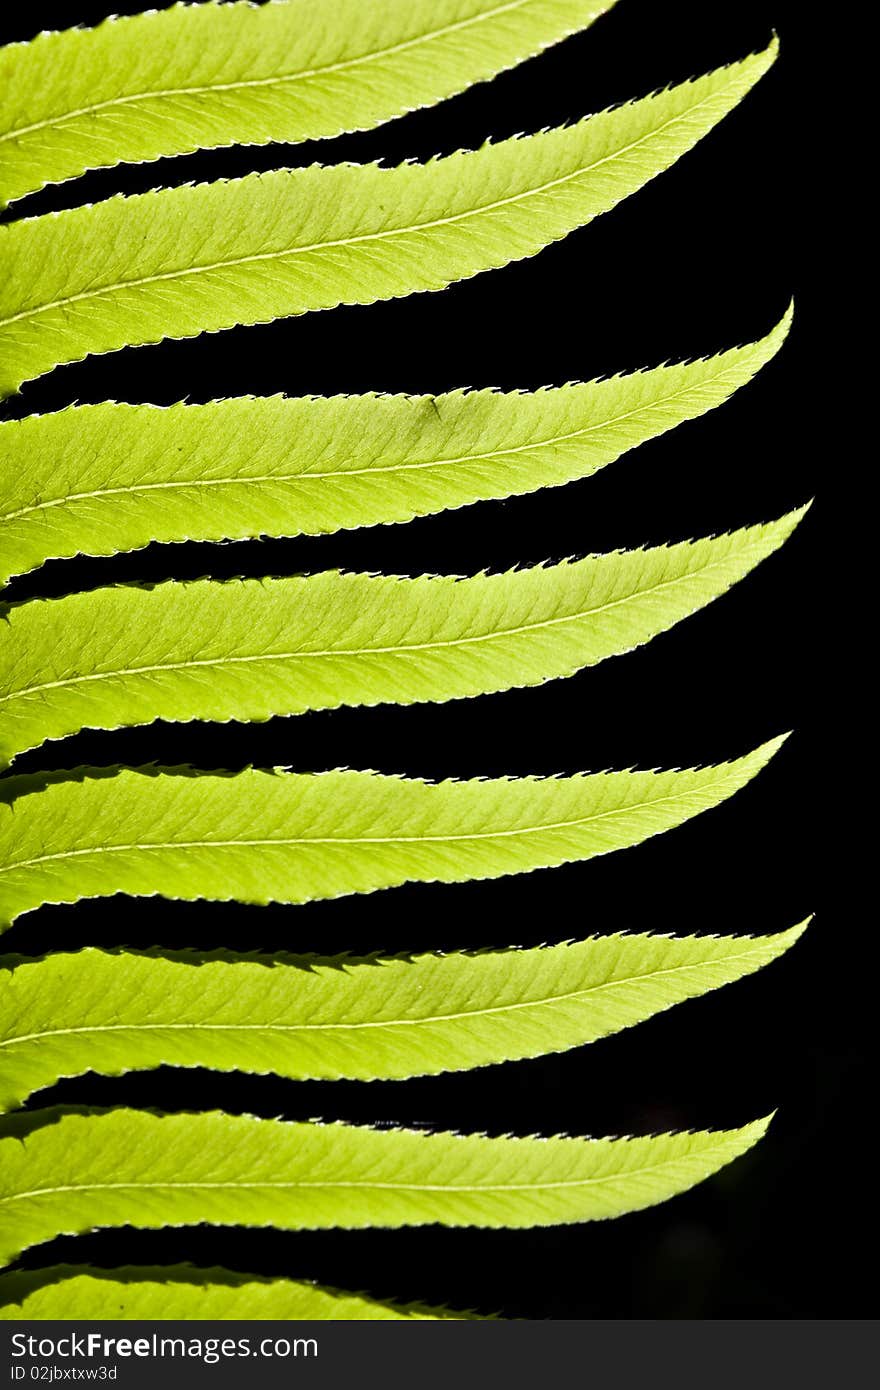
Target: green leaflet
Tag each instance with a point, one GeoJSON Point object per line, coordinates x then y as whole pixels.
{"type": "Point", "coordinates": [178, 262]}
{"type": "Point", "coordinates": [198, 76]}
{"type": "Point", "coordinates": [254, 648]}
{"type": "Point", "coordinates": [64, 1173]}
{"type": "Point", "coordinates": [263, 837]}
{"type": "Point", "coordinates": [184, 1293]}
{"type": "Point", "coordinates": [93, 1011]}
{"type": "Point", "coordinates": [99, 479]}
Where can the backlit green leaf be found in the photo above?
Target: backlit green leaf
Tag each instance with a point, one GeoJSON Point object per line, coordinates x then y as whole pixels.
{"type": "Point", "coordinates": [263, 837]}
{"type": "Point", "coordinates": [93, 1011]}
{"type": "Point", "coordinates": [65, 1174]}
{"type": "Point", "coordinates": [254, 648]}
{"type": "Point", "coordinates": [184, 1293]}
{"type": "Point", "coordinates": [98, 479]}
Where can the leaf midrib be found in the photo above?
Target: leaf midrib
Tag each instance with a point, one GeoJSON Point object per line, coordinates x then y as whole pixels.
{"type": "Point", "coordinates": [289, 252]}
{"type": "Point", "coordinates": [65, 117]}
{"type": "Point", "coordinates": [604, 1178]}
{"type": "Point", "coordinates": [619, 982]}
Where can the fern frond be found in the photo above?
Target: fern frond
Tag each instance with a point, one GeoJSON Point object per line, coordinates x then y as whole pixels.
{"type": "Point", "coordinates": [256, 648]}
{"type": "Point", "coordinates": [99, 479]}
{"type": "Point", "coordinates": [175, 263]}
{"type": "Point", "coordinates": [262, 837]}
{"type": "Point", "coordinates": [111, 1014]}
{"type": "Point", "coordinates": [195, 77]}
{"type": "Point", "coordinates": [185, 1293]}
{"type": "Point", "coordinates": [68, 1173]}
{"type": "Point", "coordinates": [104, 479]}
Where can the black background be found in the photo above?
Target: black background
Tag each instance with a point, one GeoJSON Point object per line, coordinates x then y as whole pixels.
{"type": "Point", "coordinates": [706, 256]}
